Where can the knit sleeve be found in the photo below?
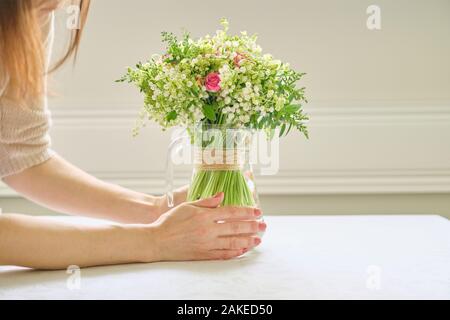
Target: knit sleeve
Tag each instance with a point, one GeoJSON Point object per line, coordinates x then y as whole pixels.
{"type": "Point", "coordinates": [24, 138]}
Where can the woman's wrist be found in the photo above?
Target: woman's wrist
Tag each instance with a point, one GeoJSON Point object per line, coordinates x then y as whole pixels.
{"type": "Point", "coordinates": [146, 243]}
{"type": "Point", "coordinates": [150, 208]}
{"type": "Point", "coordinates": [139, 208]}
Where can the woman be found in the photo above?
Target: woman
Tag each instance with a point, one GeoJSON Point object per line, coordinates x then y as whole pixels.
{"type": "Point", "coordinates": [147, 230]}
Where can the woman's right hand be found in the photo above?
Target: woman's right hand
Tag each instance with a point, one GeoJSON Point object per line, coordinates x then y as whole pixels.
{"type": "Point", "coordinates": [201, 230]}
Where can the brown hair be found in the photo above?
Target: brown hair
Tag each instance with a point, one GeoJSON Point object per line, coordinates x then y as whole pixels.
{"type": "Point", "coordinates": [22, 59]}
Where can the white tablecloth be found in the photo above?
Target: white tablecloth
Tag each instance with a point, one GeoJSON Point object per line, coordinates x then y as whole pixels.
{"type": "Point", "coordinates": [301, 257]}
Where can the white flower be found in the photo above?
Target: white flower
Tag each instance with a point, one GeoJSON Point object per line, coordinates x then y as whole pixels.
{"type": "Point", "coordinates": [270, 93]}
{"type": "Point", "coordinates": [189, 84]}
{"type": "Point", "coordinates": [224, 69]}
{"type": "Point", "coordinates": [276, 62]}
{"type": "Point", "coordinates": [227, 100]}
{"type": "Point", "coordinates": [198, 115]}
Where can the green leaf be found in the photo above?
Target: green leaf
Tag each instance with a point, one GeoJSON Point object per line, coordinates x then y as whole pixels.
{"type": "Point", "coordinates": [291, 98]}
{"type": "Point", "coordinates": [289, 128]}
{"type": "Point", "coordinates": [283, 128]}
{"type": "Point", "coordinates": [172, 115]}
{"type": "Point", "coordinates": [292, 108]}
{"type": "Point", "coordinates": [209, 113]}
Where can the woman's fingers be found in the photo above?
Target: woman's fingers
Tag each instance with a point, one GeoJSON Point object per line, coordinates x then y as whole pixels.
{"type": "Point", "coordinates": [240, 227]}
{"type": "Point", "coordinates": [224, 254]}
{"type": "Point", "coordinates": [236, 243]}
{"type": "Point", "coordinates": [236, 213]}
{"type": "Point", "coordinates": [212, 202]}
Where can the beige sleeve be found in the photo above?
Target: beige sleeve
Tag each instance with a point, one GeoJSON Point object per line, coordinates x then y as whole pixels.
{"type": "Point", "coordinates": [24, 138]}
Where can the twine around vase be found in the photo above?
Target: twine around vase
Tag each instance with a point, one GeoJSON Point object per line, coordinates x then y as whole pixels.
{"type": "Point", "coordinates": [219, 159]}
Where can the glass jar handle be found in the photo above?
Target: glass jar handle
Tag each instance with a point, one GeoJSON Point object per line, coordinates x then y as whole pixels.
{"type": "Point", "coordinates": [175, 147]}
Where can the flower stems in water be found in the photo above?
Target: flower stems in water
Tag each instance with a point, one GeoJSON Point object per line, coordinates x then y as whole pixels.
{"type": "Point", "coordinates": [207, 183]}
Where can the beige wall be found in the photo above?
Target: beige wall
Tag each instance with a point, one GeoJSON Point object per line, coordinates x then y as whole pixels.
{"type": "Point", "coordinates": [379, 100]}
{"type": "Point", "coordinates": [405, 61]}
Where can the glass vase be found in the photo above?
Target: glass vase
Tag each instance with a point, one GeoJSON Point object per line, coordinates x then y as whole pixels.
{"type": "Point", "coordinates": [221, 159]}
{"type": "Point", "coordinates": [221, 163]}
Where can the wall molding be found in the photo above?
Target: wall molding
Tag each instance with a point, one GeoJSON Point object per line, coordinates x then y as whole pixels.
{"type": "Point", "coordinates": [321, 113]}
{"type": "Point", "coordinates": [430, 176]}
{"type": "Point", "coordinates": [300, 182]}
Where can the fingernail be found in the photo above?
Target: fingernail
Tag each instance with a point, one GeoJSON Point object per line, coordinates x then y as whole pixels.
{"type": "Point", "coordinates": [257, 212]}
{"type": "Point", "coordinates": [257, 241]}
{"type": "Point", "coordinates": [244, 250]}
{"type": "Point", "coordinates": [262, 226]}
{"type": "Point", "coordinates": [218, 195]}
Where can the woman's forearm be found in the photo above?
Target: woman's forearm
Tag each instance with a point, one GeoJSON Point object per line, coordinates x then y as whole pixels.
{"type": "Point", "coordinates": [42, 243]}
{"type": "Point", "coordinates": [65, 188]}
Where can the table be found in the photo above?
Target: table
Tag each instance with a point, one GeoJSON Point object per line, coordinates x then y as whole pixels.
{"type": "Point", "coordinates": [301, 257]}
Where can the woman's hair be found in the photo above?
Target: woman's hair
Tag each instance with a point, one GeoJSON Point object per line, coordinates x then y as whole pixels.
{"type": "Point", "coordinates": [22, 57]}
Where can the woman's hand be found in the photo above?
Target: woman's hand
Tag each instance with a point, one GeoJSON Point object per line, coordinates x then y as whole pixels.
{"type": "Point", "coordinates": [190, 231]}
{"type": "Point", "coordinates": [201, 230]}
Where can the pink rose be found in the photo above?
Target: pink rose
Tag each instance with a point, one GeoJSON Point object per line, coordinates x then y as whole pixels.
{"type": "Point", "coordinates": [238, 58]}
{"type": "Point", "coordinates": [212, 82]}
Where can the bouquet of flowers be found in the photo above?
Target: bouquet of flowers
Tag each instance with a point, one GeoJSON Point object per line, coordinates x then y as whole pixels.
{"type": "Point", "coordinates": [225, 81]}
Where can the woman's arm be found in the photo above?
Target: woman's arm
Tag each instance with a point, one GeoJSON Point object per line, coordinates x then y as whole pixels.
{"type": "Point", "coordinates": [43, 243]}
{"type": "Point", "coordinates": [65, 188]}
{"type": "Point", "coordinates": [187, 232]}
